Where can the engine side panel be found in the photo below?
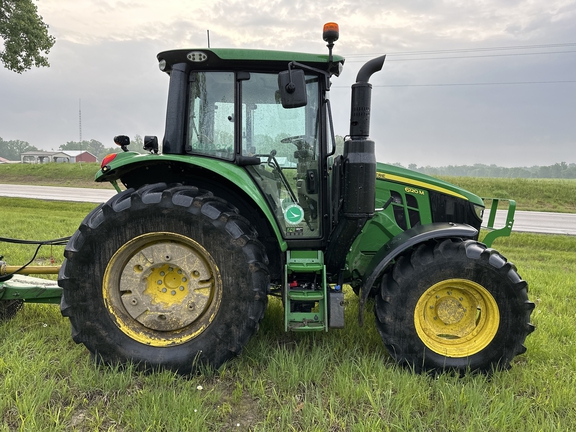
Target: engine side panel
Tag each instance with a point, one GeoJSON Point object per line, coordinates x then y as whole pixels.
{"type": "Point", "coordinates": [405, 200]}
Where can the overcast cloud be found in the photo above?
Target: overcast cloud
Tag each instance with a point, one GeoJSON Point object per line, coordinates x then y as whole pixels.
{"type": "Point", "coordinates": [431, 108]}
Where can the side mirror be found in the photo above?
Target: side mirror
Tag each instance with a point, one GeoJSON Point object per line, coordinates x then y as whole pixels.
{"type": "Point", "coordinates": [123, 141]}
{"type": "Point", "coordinates": [292, 86]}
{"type": "Point", "coordinates": [151, 144]}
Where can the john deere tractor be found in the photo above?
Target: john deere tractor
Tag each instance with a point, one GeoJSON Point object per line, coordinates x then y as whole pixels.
{"type": "Point", "coordinates": [247, 198]}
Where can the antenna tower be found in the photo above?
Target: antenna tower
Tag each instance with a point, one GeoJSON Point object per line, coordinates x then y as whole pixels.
{"type": "Point", "coordinates": [80, 120]}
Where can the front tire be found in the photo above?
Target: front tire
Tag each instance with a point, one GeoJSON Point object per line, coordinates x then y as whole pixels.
{"type": "Point", "coordinates": [167, 277]}
{"type": "Point", "coordinates": [453, 305]}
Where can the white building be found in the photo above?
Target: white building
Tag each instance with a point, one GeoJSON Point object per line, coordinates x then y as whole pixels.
{"type": "Point", "coordinates": [66, 156]}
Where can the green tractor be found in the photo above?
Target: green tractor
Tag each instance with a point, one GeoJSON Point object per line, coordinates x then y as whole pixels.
{"type": "Point", "coordinates": [248, 199]}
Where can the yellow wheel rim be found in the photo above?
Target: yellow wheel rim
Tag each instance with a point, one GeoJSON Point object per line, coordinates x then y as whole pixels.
{"type": "Point", "coordinates": [456, 318]}
{"type": "Point", "coordinates": [162, 289]}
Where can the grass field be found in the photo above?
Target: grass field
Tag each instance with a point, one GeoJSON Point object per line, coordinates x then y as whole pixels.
{"type": "Point", "coordinates": [558, 195]}
{"type": "Point", "coordinates": [342, 380]}
{"type": "Point", "coordinates": [52, 174]}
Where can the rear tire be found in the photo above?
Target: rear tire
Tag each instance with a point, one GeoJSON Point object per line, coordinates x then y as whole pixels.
{"type": "Point", "coordinates": [164, 277]}
{"type": "Point", "coordinates": [453, 305]}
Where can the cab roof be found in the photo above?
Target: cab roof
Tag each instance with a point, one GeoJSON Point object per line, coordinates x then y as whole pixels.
{"type": "Point", "coordinates": [238, 59]}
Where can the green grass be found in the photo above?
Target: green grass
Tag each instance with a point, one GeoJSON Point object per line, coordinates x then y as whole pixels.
{"type": "Point", "coordinates": [556, 195]}
{"type": "Point", "coordinates": [38, 220]}
{"type": "Point", "coordinates": [52, 174]}
{"type": "Point", "coordinates": [342, 380]}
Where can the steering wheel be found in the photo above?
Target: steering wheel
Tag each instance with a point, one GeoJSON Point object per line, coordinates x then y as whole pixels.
{"type": "Point", "coordinates": [293, 139]}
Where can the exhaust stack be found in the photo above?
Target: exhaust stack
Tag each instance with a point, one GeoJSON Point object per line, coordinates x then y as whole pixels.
{"type": "Point", "coordinates": [361, 99]}
{"type": "Point", "coordinates": [359, 171]}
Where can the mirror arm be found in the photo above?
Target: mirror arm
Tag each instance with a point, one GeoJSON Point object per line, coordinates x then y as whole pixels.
{"type": "Point", "coordinates": [310, 68]}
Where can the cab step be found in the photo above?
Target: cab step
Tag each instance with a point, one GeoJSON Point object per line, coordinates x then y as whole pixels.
{"type": "Point", "coordinates": [305, 293]}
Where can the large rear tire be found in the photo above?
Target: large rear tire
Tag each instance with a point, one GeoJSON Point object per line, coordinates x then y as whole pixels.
{"type": "Point", "coordinates": [164, 277]}
{"type": "Point", "coordinates": [453, 305]}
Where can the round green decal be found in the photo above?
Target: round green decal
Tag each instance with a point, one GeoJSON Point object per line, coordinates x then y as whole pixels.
{"type": "Point", "coordinates": [293, 214]}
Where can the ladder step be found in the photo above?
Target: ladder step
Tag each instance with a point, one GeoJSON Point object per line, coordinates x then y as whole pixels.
{"type": "Point", "coordinates": [305, 261]}
{"type": "Point", "coordinates": [305, 326]}
{"type": "Point", "coordinates": [305, 295]}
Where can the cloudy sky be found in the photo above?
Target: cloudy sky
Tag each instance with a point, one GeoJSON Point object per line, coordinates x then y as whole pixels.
{"type": "Point", "coordinates": [465, 81]}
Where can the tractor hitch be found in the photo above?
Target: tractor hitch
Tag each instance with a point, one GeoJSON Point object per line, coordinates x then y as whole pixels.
{"type": "Point", "coordinates": [30, 290]}
{"type": "Point", "coordinates": [26, 270]}
{"type": "Point", "coordinates": [15, 286]}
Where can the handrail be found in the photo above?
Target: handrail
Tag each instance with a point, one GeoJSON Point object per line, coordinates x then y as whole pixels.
{"type": "Point", "coordinates": [507, 228]}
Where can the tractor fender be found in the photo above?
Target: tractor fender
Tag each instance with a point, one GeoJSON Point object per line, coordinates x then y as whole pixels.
{"type": "Point", "coordinates": [129, 163]}
{"type": "Point", "coordinates": [403, 241]}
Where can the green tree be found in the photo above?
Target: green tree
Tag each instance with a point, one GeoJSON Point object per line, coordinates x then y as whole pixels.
{"type": "Point", "coordinates": [137, 145]}
{"type": "Point", "coordinates": [24, 36]}
{"type": "Point", "coordinates": [11, 150]}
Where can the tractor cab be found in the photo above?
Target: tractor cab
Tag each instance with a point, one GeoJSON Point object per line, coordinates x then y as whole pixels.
{"type": "Point", "coordinates": [245, 109]}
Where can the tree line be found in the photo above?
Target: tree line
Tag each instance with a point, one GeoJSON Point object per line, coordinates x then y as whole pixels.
{"type": "Point", "coordinates": [558, 170]}
{"type": "Point", "coordinates": [12, 149]}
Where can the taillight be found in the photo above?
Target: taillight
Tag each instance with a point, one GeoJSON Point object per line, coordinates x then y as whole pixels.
{"type": "Point", "coordinates": [107, 159]}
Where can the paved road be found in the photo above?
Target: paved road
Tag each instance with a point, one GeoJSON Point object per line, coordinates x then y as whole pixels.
{"type": "Point", "coordinates": [56, 193]}
{"type": "Point", "coordinates": [538, 222]}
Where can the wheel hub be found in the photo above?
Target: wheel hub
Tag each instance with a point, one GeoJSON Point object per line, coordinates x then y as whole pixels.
{"type": "Point", "coordinates": [456, 317]}
{"type": "Point", "coordinates": [160, 295]}
{"type": "Point", "coordinates": [450, 310]}
{"type": "Point", "coordinates": [166, 284]}
{"type": "Point", "coordinates": [162, 282]}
